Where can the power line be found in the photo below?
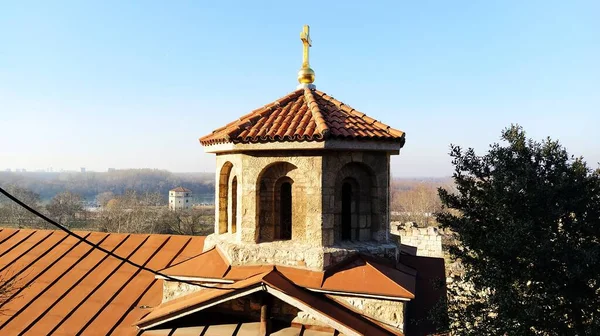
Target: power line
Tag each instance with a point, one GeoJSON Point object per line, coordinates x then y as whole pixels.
{"type": "Point", "coordinates": [98, 247]}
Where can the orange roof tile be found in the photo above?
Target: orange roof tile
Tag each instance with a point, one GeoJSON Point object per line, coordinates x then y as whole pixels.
{"type": "Point", "coordinates": [303, 115]}
{"type": "Point", "coordinates": [180, 189]}
{"type": "Point", "coordinates": [65, 287]}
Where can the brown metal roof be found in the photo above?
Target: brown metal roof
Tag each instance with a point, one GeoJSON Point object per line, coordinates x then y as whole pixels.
{"type": "Point", "coordinates": [65, 287]}
{"type": "Point", "coordinates": [359, 274]}
{"type": "Point", "coordinates": [303, 115]}
{"type": "Point", "coordinates": [210, 264]}
{"type": "Point", "coordinates": [236, 329]}
{"type": "Point", "coordinates": [194, 302]}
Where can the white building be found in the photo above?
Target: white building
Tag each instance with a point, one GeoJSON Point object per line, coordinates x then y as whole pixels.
{"type": "Point", "coordinates": [180, 198]}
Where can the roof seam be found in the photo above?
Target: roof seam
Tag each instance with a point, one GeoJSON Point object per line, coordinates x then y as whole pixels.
{"type": "Point", "coordinates": [117, 292]}
{"type": "Point", "coordinates": [27, 251]}
{"type": "Point", "coordinates": [98, 286]}
{"type": "Point", "coordinates": [152, 282]}
{"type": "Point", "coordinates": [17, 244]}
{"type": "Point", "coordinates": [316, 112]}
{"type": "Point", "coordinates": [37, 259]}
{"type": "Point", "coordinates": [43, 291]}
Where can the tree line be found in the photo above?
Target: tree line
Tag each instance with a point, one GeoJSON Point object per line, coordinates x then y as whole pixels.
{"type": "Point", "coordinates": [131, 212]}
{"type": "Point", "coordinates": [417, 200]}
{"type": "Point", "coordinates": [90, 184]}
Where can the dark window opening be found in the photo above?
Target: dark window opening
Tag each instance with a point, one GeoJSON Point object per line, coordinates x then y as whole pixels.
{"type": "Point", "coordinates": [234, 205]}
{"type": "Point", "coordinates": [285, 219]}
{"type": "Point", "coordinates": [346, 211]}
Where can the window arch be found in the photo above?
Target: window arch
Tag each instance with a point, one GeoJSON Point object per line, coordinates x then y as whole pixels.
{"type": "Point", "coordinates": [355, 203]}
{"type": "Point", "coordinates": [283, 209]}
{"type": "Point", "coordinates": [234, 186]}
{"type": "Point", "coordinates": [350, 195]}
{"type": "Point", "coordinates": [223, 196]}
{"type": "Point", "coordinates": [275, 202]}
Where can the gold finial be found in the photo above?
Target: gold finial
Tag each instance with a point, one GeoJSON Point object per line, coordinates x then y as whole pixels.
{"type": "Point", "coordinates": [306, 75]}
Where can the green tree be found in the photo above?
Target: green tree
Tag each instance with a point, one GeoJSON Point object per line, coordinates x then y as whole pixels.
{"type": "Point", "coordinates": [64, 207]}
{"type": "Point", "coordinates": [528, 218]}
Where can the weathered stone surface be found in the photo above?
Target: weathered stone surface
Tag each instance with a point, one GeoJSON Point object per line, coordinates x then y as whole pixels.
{"type": "Point", "coordinates": [386, 311]}
{"type": "Point", "coordinates": [174, 289]}
{"type": "Point", "coordinates": [428, 241]}
{"type": "Point", "coordinates": [295, 254]}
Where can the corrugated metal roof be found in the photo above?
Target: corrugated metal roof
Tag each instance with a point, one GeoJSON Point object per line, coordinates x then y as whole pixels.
{"type": "Point", "coordinates": [65, 287]}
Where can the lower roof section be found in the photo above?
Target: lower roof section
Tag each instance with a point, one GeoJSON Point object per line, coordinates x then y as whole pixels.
{"type": "Point", "coordinates": [236, 329]}
{"type": "Point", "coordinates": [62, 286]}
{"type": "Point", "coordinates": [339, 317]}
{"type": "Point", "coordinates": [359, 274]}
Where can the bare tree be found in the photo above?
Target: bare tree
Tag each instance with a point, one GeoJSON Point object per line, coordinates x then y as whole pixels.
{"type": "Point", "coordinates": [64, 207]}
{"type": "Point", "coordinates": [9, 286]}
{"type": "Point", "coordinates": [417, 204]}
{"type": "Point", "coordinates": [13, 213]}
{"type": "Point", "coordinates": [104, 197]}
{"type": "Point", "coordinates": [133, 213]}
{"type": "Point", "coordinates": [190, 222]}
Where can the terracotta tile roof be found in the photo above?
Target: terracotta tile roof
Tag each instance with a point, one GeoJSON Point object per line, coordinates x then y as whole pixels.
{"type": "Point", "coordinates": [65, 287]}
{"type": "Point", "coordinates": [200, 300]}
{"type": "Point", "coordinates": [303, 115]}
{"type": "Point", "coordinates": [359, 274]}
{"type": "Point", "coordinates": [180, 189]}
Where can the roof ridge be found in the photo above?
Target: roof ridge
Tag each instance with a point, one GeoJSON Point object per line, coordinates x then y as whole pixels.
{"type": "Point", "coordinates": [354, 112]}
{"type": "Point", "coordinates": [317, 115]}
{"type": "Point", "coordinates": [261, 112]}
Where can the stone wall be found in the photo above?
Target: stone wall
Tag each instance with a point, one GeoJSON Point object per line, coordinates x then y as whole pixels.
{"type": "Point", "coordinates": [370, 172]}
{"type": "Point", "coordinates": [317, 178]}
{"type": "Point", "coordinates": [428, 241]}
{"type": "Point", "coordinates": [175, 289]}
{"type": "Point", "coordinates": [295, 254]}
{"type": "Point", "coordinates": [254, 169]}
{"type": "Point", "coordinates": [386, 311]}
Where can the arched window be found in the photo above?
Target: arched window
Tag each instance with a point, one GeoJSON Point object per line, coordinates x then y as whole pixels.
{"type": "Point", "coordinates": [234, 205]}
{"type": "Point", "coordinates": [276, 216]}
{"type": "Point", "coordinates": [354, 206]}
{"type": "Point", "coordinates": [223, 196]}
{"type": "Point", "coordinates": [285, 211]}
{"type": "Point", "coordinates": [347, 211]}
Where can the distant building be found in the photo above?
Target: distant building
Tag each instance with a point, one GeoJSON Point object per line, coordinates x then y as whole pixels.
{"type": "Point", "coordinates": [83, 169]}
{"type": "Point", "coordinates": [111, 170]}
{"type": "Point", "coordinates": [180, 198]}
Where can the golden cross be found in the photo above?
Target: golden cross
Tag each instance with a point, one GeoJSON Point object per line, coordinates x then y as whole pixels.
{"type": "Point", "coordinates": [305, 37]}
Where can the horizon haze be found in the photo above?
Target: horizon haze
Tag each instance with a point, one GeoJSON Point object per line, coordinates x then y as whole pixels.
{"type": "Point", "coordinates": [134, 85]}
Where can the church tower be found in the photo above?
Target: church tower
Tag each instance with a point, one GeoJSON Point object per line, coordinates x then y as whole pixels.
{"type": "Point", "coordinates": [301, 241]}
{"type": "Point", "coordinates": [302, 181]}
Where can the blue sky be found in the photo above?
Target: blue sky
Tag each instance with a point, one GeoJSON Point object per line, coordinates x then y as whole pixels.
{"type": "Point", "coordinates": [133, 84]}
